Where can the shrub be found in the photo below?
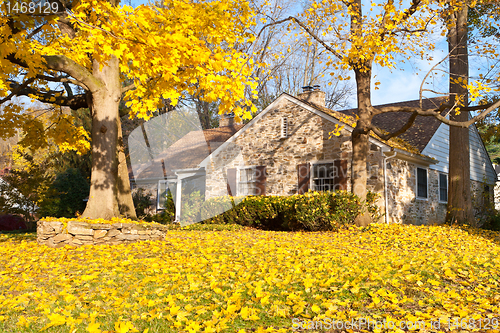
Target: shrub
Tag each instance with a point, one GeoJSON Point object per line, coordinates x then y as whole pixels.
{"type": "Point", "coordinates": [142, 202]}
{"type": "Point", "coordinates": [492, 222]}
{"type": "Point", "coordinates": [212, 210]}
{"type": "Point", "coordinates": [167, 216]}
{"type": "Point", "coordinates": [313, 211]}
{"type": "Point", "coordinates": [66, 195]}
{"type": "Point", "coordinates": [191, 204]}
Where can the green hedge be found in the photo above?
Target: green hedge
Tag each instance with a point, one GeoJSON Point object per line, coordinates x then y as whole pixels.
{"type": "Point", "coordinates": [313, 211]}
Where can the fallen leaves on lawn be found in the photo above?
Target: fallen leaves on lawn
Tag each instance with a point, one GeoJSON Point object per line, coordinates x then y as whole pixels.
{"type": "Point", "coordinates": [236, 281]}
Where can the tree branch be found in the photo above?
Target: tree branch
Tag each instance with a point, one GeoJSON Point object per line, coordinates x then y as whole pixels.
{"type": "Point", "coordinates": [61, 63]}
{"type": "Point", "coordinates": [127, 88]}
{"type": "Point", "coordinates": [74, 102]}
{"type": "Point", "coordinates": [17, 89]}
{"type": "Point", "coordinates": [436, 113]}
{"type": "Point", "coordinates": [313, 35]}
{"type": "Point", "coordinates": [387, 136]}
{"type": "Point", "coordinates": [78, 72]}
{"type": "Point", "coordinates": [306, 29]}
{"type": "Point", "coordinates": [411, 10]}
{"type": "Point", "coordinates": [58, 79]}
{"type": "Point", "coordinates": [465, 124]}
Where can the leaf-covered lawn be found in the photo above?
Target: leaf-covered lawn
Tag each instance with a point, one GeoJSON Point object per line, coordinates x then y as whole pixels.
{"type": "Point", "coordinates": [239, 281]}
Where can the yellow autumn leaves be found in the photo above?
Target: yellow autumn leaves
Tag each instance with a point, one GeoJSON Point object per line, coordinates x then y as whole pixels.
{"type": "Point", "coordinates": [168, 51]}
{"type": "Point", "coordinates": [235, 281]}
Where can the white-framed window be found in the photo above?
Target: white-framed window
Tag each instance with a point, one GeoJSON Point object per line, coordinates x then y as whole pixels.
{"type": "Point", "coordinates": [421, 184]}
{"type": "Point", "coordinates": [284, 128]}
{"type": "Point", "coordinates": [443, 187]}
{"type": "Point", "coordinates": [323, 176]}
{"type": "Point", "coordinates": [165, 190]}
{"type": "Point", "coordinates": [247, 180]}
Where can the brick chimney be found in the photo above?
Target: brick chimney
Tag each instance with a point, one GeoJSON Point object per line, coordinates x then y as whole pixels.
{"type": "Point", "coordinates": [227, 119]}
{"type": "Point", "coordinates": [312, 94]}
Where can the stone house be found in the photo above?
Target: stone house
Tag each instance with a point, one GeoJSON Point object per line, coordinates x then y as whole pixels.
{"type": "Point", "coordinates": [289, 148]}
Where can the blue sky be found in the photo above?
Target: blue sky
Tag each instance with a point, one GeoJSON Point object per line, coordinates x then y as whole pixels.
{"type": "Point", "coordinates": [403, 84]}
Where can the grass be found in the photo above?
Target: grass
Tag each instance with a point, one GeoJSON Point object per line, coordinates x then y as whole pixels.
{"type": "Point", "coordinates": [249, 280]}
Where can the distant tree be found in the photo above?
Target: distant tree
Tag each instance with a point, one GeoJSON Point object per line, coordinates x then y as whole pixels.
{"type": "Point", "coordinates": [292, 61]}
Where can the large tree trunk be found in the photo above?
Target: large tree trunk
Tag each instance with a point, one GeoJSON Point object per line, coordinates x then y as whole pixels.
{"type": "Point", "coordinates": [360, 142]}
{"type": "Point", "coordinates": [103, 201]}
{"type": "Point", "coordinates": [124, 195]}
{"type": "Point", "coordinates": [459, 198]}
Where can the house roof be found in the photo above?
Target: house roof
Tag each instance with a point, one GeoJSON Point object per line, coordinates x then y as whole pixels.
{"type": "Point", "coordinates": [422, 130]}
{"type": "Point", "coordinates": [188, 151]}
{"type": "Point", "coordinates": [193, 148]}
{"type": "Point", "coordinates": [413, 140]}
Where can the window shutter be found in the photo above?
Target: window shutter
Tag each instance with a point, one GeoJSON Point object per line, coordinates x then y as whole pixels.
{"type": "Point", "coordinates": [340, 179]}
{"type": "Point", "coordinates": [260, 175]}
{"type": "Point", "coordinates": [231, 181]}
{"type": "Point", "coordinates": [304, 174]}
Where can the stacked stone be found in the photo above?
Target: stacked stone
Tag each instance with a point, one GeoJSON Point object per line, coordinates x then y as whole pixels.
{"type": "Point", "coordinates": [53, 233]}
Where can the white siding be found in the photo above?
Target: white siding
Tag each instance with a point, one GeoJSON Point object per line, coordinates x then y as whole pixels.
{"type": "Point", "coordinates": [480, 165]}
{"type": "Point", "coordinates": [438, 148]}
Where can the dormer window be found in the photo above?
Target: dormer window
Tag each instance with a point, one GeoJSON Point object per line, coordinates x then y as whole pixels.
{"type": "Point", "coordinates": [284, 128]}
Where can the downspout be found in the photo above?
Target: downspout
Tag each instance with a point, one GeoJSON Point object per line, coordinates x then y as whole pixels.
{"type": "Point", "coordinates": [385, 185]}
{"type": "Point", "coordinates": [178, 199]}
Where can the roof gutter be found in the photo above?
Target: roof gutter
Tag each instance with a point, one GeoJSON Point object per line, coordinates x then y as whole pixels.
{"type": "Point", "coordinates": [414, 158]}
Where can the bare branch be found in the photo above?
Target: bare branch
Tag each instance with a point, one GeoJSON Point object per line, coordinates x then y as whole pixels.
{"type": "Point", "coordinates": [319, 40]}
{"type": "Point", "coordinates": [78, 72]}
{"type": "Point", "coordinates": [16, 90]}
{"type": "Point", "coordinates": [59, 79]}
{"type": "Point", "coordinates": [127, 88]}
{"type": "Point", "coordinates": [69, 91]}
{"type": "Point", "coordinates": [427, 75]}
{"type": "Point", "coordinates": [306, 29]}
{"type": "Point", "coordinates": [74, 102]}
{"type": "Point", "coordinates": [437, 114]}
{"type": "Point", "coordinates": [464, 124]}
{"type": "Point", "coordinates": [66, 65]}
{"type": "Point", "coordinates": [35, 31]}
{"type": "Point", "coordinates": [387, 136]}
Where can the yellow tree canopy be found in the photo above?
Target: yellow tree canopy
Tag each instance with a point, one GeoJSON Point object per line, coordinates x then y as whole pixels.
{"type": "Point", "coordinates": [184, 47]}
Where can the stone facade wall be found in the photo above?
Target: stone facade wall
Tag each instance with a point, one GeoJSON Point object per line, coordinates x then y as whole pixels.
{"type": "Point", "coordinates": [483, 199]}
{"type": "Point", "coordinates": [308, 141]}
{"type": "Point", "coordinates": [75, 233]}
{"type": "Point", "coordinates": [404, 206]}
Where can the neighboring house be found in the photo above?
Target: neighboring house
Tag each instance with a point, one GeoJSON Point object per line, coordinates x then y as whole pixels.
{"type": "Point", "coordinates": [497, 187]}
{"type": "Point", "coordinates": [288, 148]}
{"type": "Point", "coordinates": [13, 202]}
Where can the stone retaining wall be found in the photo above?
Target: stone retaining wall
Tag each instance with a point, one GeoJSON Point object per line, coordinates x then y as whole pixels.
{"type": "Point", "coordinates": [76, 233]}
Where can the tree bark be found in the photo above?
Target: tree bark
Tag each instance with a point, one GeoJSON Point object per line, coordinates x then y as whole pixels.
{"type": "Point", "coordinates": [360, 144]}
{"type": "Point", "coordinates": [103, 202]}
{"type": "Point", "coordinates": [124, 194]}
{"type": "Point", "coordinates": [459, 193]}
